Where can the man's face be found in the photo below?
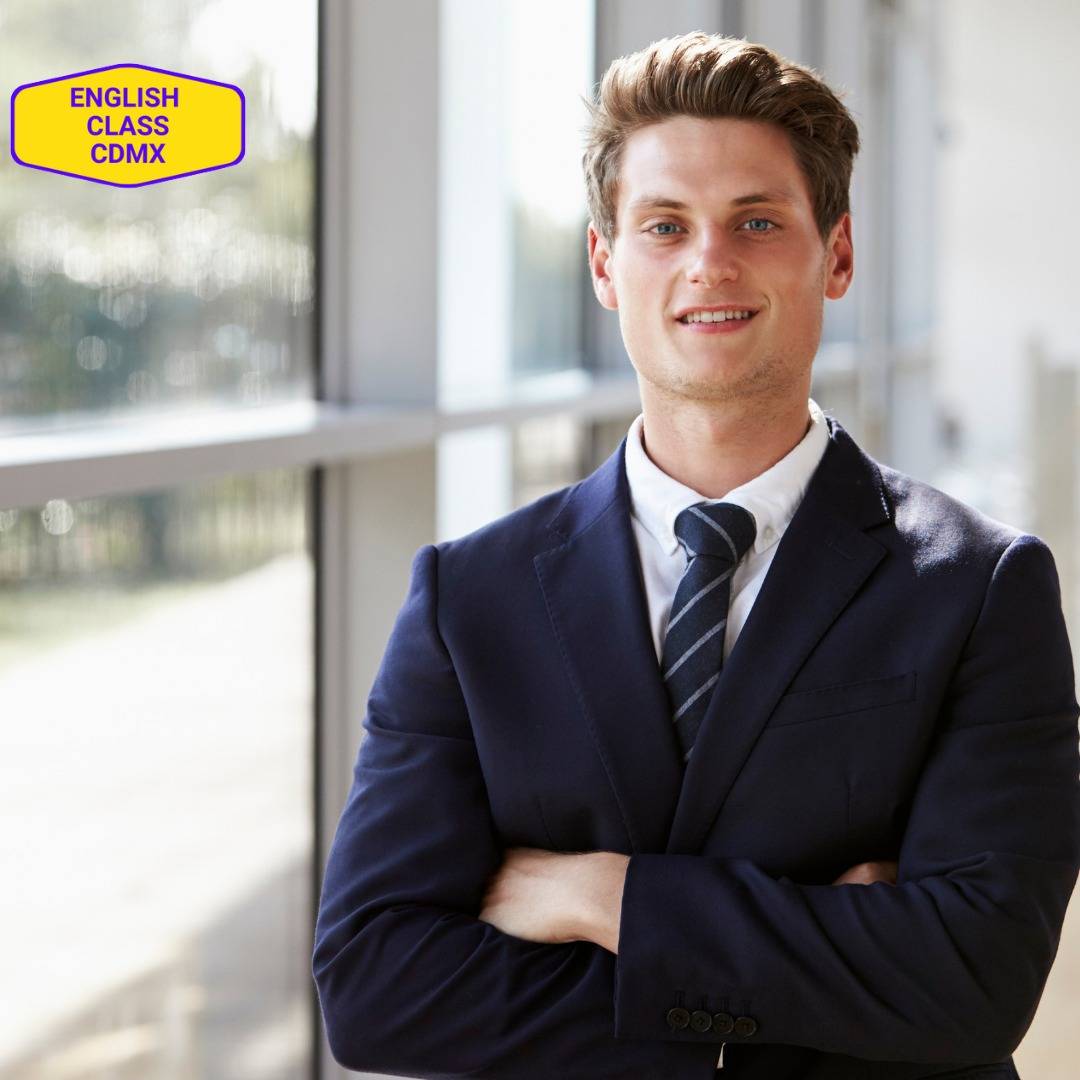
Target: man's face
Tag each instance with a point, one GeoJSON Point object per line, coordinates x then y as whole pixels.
{"type": "Point", "coordinates": [744, 239]}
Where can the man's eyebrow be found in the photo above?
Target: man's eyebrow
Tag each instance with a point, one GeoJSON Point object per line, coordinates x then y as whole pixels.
{"type": "Point", "coordinates": [776, 195]}
{"type": "Point", "coordinates": [665, 202]}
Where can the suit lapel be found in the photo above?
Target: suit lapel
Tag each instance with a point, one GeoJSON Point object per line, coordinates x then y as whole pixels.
{"type": "Point", "coordinates": [596, 600]}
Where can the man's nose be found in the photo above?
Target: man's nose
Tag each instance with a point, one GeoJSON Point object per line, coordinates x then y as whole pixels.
{"type": "Point", "coordinates": [713, 259]}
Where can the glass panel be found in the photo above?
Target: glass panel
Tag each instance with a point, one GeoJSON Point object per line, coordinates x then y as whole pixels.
{"type": "Point", "coordinates": [512, 254]}
{"type": "Point", "coordinates": [473, 476]}
{"type": "Point", "coordinates": [194, 291]}
{"type": "Point", "coordinates": [156, 670]}
{"type": "Point", "coordinates": [484, 473]}
{"type": "Point", "coordinates": [550, 66]}
{"type": "Point", "coordinates": [549, 453]}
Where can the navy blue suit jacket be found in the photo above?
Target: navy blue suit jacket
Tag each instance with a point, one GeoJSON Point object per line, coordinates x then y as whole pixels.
{"type": "Point", "coordinates": [903, 688]}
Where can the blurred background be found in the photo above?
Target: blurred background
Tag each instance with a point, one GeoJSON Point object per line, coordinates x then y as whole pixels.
{"type": "Point", "coordinates": [232, 407]}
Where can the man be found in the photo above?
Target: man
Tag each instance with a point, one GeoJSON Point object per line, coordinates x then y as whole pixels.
{"type": "Point", "coordinates": [745, 753]}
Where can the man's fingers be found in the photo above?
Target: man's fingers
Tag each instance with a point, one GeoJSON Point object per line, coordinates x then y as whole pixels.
{"type": "Point", "coordinates": [866, 873]}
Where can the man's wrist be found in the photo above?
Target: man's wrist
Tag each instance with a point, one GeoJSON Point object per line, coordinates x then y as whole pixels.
{"type": "Point", "coordinates": [602, 879]}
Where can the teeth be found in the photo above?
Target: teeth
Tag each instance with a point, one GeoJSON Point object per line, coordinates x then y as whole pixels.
{"type": "Point", "coordinates": [714, 316]}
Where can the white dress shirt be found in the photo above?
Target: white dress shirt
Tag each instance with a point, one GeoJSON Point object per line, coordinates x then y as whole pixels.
{"type": "Point", "coordinates": [656, 500]}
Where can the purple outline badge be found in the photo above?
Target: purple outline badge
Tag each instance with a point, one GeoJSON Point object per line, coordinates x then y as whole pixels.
{"type": "Point", "coordinates": [141, 183]}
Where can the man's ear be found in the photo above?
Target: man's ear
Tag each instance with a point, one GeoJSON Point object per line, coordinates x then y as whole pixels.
{"type": "Point", "coordinates": [839, 259]}
{"type": "Point", "coordinates": [599, 256]}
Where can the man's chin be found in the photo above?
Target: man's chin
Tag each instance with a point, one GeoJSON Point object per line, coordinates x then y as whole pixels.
{"type": "Point", "coordinates": [720, 386]}
{"type": "Point", "coordinates": [721, 378]}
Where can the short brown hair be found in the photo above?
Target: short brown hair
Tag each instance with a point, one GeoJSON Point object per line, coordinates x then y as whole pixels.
{"type": "Point", "coordinates": [709, 75]}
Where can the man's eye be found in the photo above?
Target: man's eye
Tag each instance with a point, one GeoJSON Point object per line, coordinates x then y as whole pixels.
{"type": "Point", "coordinates": [662, 225]}
{"type": "Point", "coordinates": [753, 225]}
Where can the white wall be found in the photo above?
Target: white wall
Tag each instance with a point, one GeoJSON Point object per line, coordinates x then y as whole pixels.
{"type": "Point", "coordinates": [1010, 233]}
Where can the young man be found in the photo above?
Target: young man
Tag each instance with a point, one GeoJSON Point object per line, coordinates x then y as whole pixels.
{"type": "Point", "coordinates": [746, 752]}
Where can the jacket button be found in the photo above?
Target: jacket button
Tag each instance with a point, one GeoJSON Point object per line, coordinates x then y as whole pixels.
{"type": "Point", "coordinates": [722, 1023]}
{"type": "Point", "coordinates": [700, 1020]}
{"type": "Point", "coordinates": [745, 1025]}
{"type": "Point", "coordinates": [678, 1018]}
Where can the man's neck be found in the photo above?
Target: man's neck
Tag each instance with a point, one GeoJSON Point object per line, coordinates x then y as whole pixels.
{"type": "Point", "coordinates": [714, 448]}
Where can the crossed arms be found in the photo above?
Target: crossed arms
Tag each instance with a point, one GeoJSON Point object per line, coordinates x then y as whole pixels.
{"type": "Point", "coordinates": [554, 897]}
{"type": "Point", "coordinates": [947, 965]}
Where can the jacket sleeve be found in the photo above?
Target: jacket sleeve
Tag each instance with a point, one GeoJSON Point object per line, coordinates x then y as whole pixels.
{"type": "Point", "coordinates": [410, 981]}
{"type": "Point", "coordinates": [947, 965]}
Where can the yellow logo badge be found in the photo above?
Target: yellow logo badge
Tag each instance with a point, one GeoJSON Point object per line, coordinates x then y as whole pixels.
{"type": "Point", "coordinates": [127, 125]}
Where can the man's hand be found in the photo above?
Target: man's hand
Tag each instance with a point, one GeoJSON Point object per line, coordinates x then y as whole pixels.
{"type": "Point", "coordinates": [865, 873]}
{"type": "Point", "coordinates": [557, 897]}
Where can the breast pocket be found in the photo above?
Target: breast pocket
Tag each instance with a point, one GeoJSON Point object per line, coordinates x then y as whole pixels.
{"type": "Point", "coordinates": [817, 704]}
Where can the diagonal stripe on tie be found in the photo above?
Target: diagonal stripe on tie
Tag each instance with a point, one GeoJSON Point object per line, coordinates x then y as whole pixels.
{"type": "Point", "coordinates": [697, 596]}
{"type": "Point", "coordinates": [693, 648]}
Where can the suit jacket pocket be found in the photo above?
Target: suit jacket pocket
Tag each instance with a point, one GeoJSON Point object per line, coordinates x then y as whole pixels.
{"type": "Point", "coordinates": [803, 705]}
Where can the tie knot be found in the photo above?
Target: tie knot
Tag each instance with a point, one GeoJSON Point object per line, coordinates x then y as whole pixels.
{"type": "Point", "coordinates": [722, 530]}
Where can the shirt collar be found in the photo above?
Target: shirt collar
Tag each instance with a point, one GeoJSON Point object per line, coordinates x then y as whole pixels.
{"type": "Point", "coordinates": [772, 496]}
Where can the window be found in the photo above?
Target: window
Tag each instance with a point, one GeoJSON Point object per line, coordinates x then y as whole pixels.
{"type": "Point", "coordinates": [157, 678]}
{"type": "Point", "coordinates": [157, 660]}
{"type": "Point", "coordinates": [199, 291]}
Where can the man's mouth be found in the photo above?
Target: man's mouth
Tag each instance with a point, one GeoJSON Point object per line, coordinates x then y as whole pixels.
{"type": "Point", "coordinates": [715, 322]}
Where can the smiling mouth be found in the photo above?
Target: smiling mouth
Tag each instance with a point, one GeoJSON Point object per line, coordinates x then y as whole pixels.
{"type": "Point", "coordinates": [720, 322]}
{"type": "Point", "coordinates": [709, 317]}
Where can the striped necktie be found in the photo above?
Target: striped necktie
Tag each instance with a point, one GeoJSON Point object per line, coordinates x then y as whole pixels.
{"type": "Point", "coordinates": [715, 537]}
